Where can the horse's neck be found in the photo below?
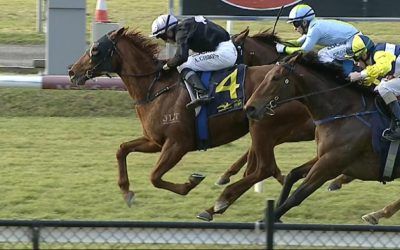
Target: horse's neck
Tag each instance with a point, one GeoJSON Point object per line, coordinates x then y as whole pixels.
{"type": "Point", "coordinates": [138, 72]}
{"type": "Point", "coordinates": [262, 51]}
{"type": "Point", "coordinates": [330, 101]}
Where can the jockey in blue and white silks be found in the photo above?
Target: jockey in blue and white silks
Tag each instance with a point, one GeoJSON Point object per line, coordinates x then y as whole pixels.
{"type": "Point", "coordinates": [382, 69]}
{"type": "Point", "coordinates": [332, 34]}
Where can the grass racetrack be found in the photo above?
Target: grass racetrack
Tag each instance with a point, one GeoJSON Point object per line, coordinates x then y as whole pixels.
{"type": "Point", "coordinates": [57, 148]}
{"type": "Point", "coordinates": [60, 164]}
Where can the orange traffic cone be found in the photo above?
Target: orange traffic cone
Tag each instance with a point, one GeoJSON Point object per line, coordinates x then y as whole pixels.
{"type": "Point", "coordinates": [101, 12]}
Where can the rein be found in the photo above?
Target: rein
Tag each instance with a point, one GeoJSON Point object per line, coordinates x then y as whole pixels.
{"type": "Point", "coordinates": [274, 103]}
{"type": "Point", "coordinates": [310, 94]}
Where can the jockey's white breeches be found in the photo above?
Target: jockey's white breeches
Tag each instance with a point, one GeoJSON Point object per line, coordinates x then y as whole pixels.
{"type": "Point", "coordinates": [386, 86]}
{"type": "Point", "coordinates": [335, 52]}
{"type": "Point", "coordinates": [223, 57]}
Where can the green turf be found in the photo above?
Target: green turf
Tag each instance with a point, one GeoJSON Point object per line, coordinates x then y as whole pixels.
{"type": "Point", "coordinates": [57, 148]}
{"type": "Point", "coordinates": [65, 168]}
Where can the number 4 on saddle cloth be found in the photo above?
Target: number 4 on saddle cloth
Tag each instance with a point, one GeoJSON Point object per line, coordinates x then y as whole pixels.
{"type": "Point", "coordinates": [227, 88]}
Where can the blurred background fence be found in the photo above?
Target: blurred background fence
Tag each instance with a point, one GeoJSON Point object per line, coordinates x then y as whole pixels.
{"type": "Point", "coordinates": [17, 234]}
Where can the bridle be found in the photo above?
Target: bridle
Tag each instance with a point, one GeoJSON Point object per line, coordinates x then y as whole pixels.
{"type": "Point", "coordinates": [271, 105]}
{"type": "Point", "coordinates": [107, 48]}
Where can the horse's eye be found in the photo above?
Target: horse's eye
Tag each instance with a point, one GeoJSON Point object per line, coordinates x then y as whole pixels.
{"type": "Point", "coordinates": [94, 50]}
{"type": "Point", "coordinates": [275, 78]}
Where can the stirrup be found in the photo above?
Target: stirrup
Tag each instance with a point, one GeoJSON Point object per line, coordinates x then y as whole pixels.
{"type": "Point", "coordinates": [198, 102]}
{"type": "Point", "coordinates": [391, 135]}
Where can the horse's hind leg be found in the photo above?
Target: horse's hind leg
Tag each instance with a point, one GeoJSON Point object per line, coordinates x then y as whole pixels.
{"type": "Point", "coordinates": [234, 169]}
{"type": "Point", "coordinates": [337, 183]}
{"type": "Point", "coordinates": [138, 145]}
{"type": "Point", "coordinates": [386, 212]}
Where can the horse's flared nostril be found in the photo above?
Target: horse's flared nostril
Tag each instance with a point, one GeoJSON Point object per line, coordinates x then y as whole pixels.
{"type": "Point", "coordinates": [250, 110]}
{"type": "Point", "coordinates": [71, 73]}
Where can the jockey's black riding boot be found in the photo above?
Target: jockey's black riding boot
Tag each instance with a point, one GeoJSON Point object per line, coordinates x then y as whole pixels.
{"type": "Point", "coordinates": [201, 92]}
{"type": "Point", "coordinates": [393, 134]}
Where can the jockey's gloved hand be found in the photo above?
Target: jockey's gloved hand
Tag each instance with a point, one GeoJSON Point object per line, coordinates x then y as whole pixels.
{"type": "Point", "coordinates": [166, 67]}
{"type": "Point", "coordinates": [356, 76]}
{"type": "Point", "coordinates": [280, 47]}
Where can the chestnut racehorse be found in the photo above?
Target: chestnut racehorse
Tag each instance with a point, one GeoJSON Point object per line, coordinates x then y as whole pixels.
{"type": "Point", "coordinates": [157, 94]}
{"type": "Point", "coordinates": [343, 144]}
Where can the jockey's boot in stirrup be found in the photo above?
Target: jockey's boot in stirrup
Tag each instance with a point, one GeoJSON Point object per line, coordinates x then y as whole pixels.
{"type": "Point", "coordinates": [393, 134]}
{"type": "Point", "coordinates": [201, 93]}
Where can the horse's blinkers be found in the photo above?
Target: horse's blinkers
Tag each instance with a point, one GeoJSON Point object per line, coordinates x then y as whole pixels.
{"type": "Point", "coordinates": [100, 54]}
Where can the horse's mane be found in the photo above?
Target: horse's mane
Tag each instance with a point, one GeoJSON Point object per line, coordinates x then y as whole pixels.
{"type": "Point", "coordinates": [146, 44]}
{"type": "Point", "coordinates": [267, 37]}
{"type": "Point", "coordinates": [334, 71]}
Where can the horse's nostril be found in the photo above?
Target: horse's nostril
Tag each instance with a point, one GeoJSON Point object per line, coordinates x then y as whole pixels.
{"type": "Point", "coordinates": [71, 73]}
{"type": "Point", "coordinates": [249, 109]}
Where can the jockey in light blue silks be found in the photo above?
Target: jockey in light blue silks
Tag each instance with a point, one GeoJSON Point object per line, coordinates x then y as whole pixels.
{"type": "Point", "coordinates": [332, 34]}
{"type": "Point", "coordinates": [382, 69]}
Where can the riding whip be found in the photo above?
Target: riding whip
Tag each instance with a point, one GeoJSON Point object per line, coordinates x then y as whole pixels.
{"type": "Point", "coordinates": [277, 18]}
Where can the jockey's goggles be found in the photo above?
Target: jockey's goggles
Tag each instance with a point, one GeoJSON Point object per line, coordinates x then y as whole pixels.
{"type": "Point", "coordinates": [297, 24]}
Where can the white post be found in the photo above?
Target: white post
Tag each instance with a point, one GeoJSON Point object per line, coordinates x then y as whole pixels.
{"type": "Point", "coordinates": [229, 26]}
{"type": "Point", "coordinates": [259, 187]}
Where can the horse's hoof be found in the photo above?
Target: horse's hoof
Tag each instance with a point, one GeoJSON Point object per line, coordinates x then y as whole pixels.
{"type": "Point", "coordinates": [196, 178]}
{"type": "Point", "coordinates": [334, 186]}
{"type": "Point", "coordinates": [370, 219]}
{"type": "Point", "coordinates": [222, 181]}
{"type": "Point", "coordinates": [129, 198]}
{"type": "Point", "coordinates": [220, 206]}
{"type": "Point", "coordinates": [206, 216]}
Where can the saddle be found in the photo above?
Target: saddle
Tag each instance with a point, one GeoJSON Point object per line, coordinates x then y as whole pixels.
{"type": "Point", "coordinates": [387, 150]}
{"type": "Point", "coordinates": [226, 86]}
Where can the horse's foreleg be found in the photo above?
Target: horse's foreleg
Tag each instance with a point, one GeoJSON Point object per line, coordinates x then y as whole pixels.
{"type": "Point", "coordinates": [138, 145]}
{"type": "Point", "coordinates": [293, 176]}
{"type": "Point", "coordinates": [337, 183]}
{"type": "Point", "coordinates": [260, 169]}
{"type": "Point", "coordinates": [171, 154]}
{"type": "Point", "coordinates": [234, 169]}
{"type": "Point", "coordinates": [322, 171]}
{"type": "Point", "coordinates": [386, 212]}
{"type": "Point", "coordinates": [277, 174]}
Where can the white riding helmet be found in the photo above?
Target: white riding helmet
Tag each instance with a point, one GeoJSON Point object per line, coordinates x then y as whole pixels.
{"type": "Point", "coordinates": [301, 12]}
{"type": "Point", "coordinates": [162, 24]}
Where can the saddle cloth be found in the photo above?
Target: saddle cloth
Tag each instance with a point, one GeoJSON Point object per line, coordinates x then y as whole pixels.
{"type": "Point", "coordinates": [227, 88]}
{"type": "Point", "coordinates": [381, 121]}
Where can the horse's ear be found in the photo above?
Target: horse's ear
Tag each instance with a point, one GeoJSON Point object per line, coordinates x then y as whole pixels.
{"type": "Point", "coordinates": [245, 32]}
{"type": "Point", "coordinates": [120, 31]}
{"type": "Point", "coordinates": [239, 39]}
{"type": "Point", "coordinates": [117, 33]}
{"type": "Point", "coordinates": [296, 57]}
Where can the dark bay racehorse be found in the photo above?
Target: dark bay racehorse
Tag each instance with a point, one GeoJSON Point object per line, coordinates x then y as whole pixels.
{"type": "Point", "coordinates": [255, 50]}
{"type": "Point", "coordinates": [343, 145]}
